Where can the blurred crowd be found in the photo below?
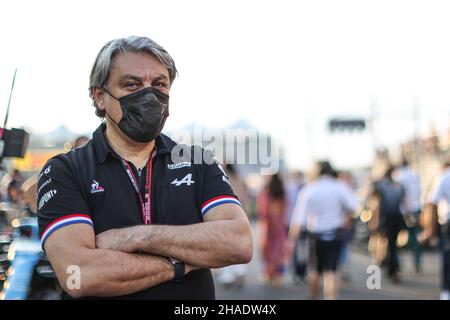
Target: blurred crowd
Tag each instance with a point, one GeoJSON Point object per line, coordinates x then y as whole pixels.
{"type": "Point", "coordinates": [307, 223]}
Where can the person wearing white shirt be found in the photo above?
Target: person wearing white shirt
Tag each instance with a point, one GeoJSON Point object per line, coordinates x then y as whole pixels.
{"type": "Point", "coordinates": [411, 208]}
{"type": "Point", "coordinates": [324, 209]}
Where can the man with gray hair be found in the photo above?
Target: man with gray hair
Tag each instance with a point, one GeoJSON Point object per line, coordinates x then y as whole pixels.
{"type": "Point", "coordinates": [119, 218]}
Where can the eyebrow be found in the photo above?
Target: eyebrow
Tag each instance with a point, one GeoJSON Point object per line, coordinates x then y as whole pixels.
{"type": "Point", "coordinates": [161, 77]}
{"type": "Point", "coordinates": [137, 78]}
{"type": "Point", "coordinates": [130, 76]}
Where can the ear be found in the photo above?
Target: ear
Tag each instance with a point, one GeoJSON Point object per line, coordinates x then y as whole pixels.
{"type": "Point", "coordinates": [99, 97]}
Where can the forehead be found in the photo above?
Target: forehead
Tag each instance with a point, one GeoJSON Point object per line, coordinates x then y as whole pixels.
{"type": "Point", "coordinates": [141, 64]}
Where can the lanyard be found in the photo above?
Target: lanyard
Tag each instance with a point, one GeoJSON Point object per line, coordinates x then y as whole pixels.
{"type": "Point", "coordinates": [146, 203]}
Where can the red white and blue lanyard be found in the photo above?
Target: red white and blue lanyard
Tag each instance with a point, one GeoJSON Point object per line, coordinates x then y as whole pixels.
{"type": "Point", "coordinates": [146, 203]}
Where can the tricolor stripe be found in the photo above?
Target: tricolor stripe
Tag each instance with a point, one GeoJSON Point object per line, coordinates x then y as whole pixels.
{"type": "Point", "coordinates": [64, 221]}
{"type": "Point", "coordinates": [218, 201]}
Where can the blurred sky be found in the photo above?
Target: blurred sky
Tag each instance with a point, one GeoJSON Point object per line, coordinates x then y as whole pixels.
{"type": "Point", "coordinates": [285, 66]}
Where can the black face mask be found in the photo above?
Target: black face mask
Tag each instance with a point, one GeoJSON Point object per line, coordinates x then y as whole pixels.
{"type": "Point", "coordinates": [144, 113]}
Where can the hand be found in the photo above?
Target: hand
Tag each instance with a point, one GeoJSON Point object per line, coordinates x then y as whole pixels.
{"type": "Point", "coordinates": [424, 237]}
{"type": "Point", "coordinates": [114, 239]}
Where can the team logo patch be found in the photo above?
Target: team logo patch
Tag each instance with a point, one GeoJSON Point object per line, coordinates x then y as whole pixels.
{"type": "Point", "coordinates": [178, 165]}
{"type": "Point", "coordinates": [95, 187]}
{"type": "Point", "coordinates": [186, 180]}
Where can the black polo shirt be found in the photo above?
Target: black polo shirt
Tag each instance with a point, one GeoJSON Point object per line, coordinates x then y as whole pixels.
{"type": "Point", "coordinates": [90, 185]}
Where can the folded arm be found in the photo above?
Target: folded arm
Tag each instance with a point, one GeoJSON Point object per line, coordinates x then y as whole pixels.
{"type": "Point", "coordinates": [102, 272]}
{"type": "Point", "coordinates": [224, 238]}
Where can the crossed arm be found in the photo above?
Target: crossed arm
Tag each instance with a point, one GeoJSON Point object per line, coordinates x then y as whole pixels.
{"type": "Point", "coordinates": [109, 266]}
{"type": "Point", "coordinates": [102, 272]}
{"type": "Point", "coordinates": [223, 238]}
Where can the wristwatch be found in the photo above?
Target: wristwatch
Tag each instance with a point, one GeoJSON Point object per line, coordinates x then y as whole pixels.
{"type": "Point", "coordinates": [179, 269]}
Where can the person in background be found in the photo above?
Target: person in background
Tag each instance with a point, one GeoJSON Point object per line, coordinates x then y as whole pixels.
{"type": "Point", "coordinates": [13, 175]}
{"type": "Point", "coordinates": [294, 185]}
{"type": "Point", "coordinates": [271, 209]}
{"type": "Point", "coordinates": [14, 192]}
{"type": "Point", "coordinates": [14, 200]}
{"type": "Point", "coordinates": [411, 208]}
{"type": "Point", "coordinates": [391, 195]}
{"type": "Point", "coordinates": [324, 209]}
{"type": "Point", "coordinates": [17, 176]}
{"type": "Point", "coordinates": [299, 259]}
{"type": "Point", "coordinates": [432, 227]}
{"type": "Point", "coordinates": [80, 141]}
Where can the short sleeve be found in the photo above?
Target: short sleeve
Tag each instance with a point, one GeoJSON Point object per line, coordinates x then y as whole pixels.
{"type": "Point", "coordinates": [59, 199]}
{"type": "Point", "coordinates": [216, 188]}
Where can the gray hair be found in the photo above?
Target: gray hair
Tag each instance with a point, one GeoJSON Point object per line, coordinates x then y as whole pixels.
{"type": "Point", "coordinates": [103, 62]}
